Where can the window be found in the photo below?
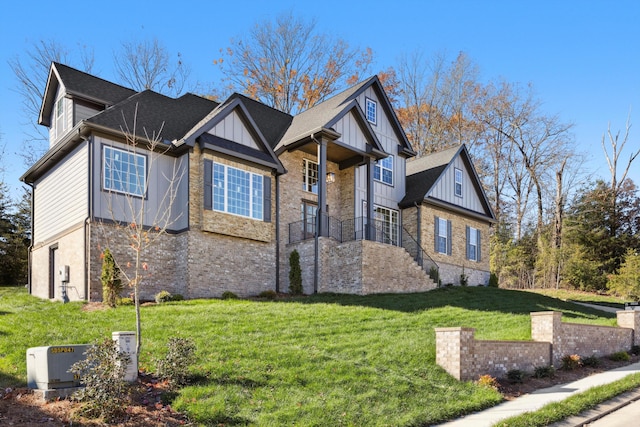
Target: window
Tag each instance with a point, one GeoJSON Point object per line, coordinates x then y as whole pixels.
{"type": "Point", "coordinates": [458, 182]}
{"type": "Point", "coordinates": [383, 170]}
{"type": "Point", "coordinates": [473, 244]}
{"type": "Point", "coordinates": [371, 108]}
{"type": "Point", "coordinates": [237, 192]}
{"type": "Point", "coordinates": [60, 123]}
{"type": "Point", "coordinates": [124, 172]}
{"type": "Point", "coordinates": [308, 216]}
{"type": "Point", "coordinates": [387, 223]}
{"type": "Point", "coordinates": [442, 236]}
{"type": "Point", "coordinates": [310, 176]}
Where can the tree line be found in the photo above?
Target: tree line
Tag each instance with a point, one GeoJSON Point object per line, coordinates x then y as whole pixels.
{"type": "Point", "coordinates": [556, 225]}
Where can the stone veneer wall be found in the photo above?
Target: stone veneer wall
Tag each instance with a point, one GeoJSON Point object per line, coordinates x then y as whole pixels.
{"type": "Point", "coordinates": [466, 358]}
{"type": "Point", "coordinates": [359, 267]}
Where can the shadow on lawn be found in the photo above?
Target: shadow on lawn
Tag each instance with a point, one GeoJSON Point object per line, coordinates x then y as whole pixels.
{"type": "Point", "coordinates": [470, 298]}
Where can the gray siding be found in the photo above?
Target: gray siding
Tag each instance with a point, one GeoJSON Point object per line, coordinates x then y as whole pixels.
{"type": "Point", "coordinates": [61, 196]}
{"type": "Point", "coordinates": [384, 195]}
{"type": "Point", "coordinates": [444, 188]}
{"type": "Point", "coordinates": [233, 128]}
{"type": "Point", "coordinates": [84, 110]}
{"type": "Point", "coordinates": [160, 169]}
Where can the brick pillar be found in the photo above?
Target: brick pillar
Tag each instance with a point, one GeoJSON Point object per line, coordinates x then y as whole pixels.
{"type": "Point", "coordinates": [546, 327]}
{"type": "Point", "coordinates": [630, 319]}
{"type": "Point", "coordinates": [454, 351]}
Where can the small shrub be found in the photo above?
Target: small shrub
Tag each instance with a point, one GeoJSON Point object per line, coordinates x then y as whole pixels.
{"type": "Point", "coordinates": [487, 381]}
{"type": "Point", "coordinates": [110, 278]}
{"type": "Point", "coordinates": [177, 297]}
{"type": "Point", "coordinates": [571, 362]}
{"type": "Point", "coordinates": [102, 372]}
{"type": "Point", "coordinates": [493, 280]}
{"type": "Point", "coordinates": [175, 366]}
{"type": "Point", "coordinates": [515, 376]}
{"type": "Point", "coordinates": [295, 274]}
{"type": "Point", "coordinates": [591, 361]}
{"type": "Point", "coordinates": [620, 356]}
{"type": "Point", "coordinates": [434, 275]}
{"type": "Point", "coordinates": [229, 295]}
{"type": "Point", "coordinates": [544, 372]}
{"type": "Point", "coordinates": [270, 294]}
{"type": "Point", "coordinates": [124, 301]}
{"type": "Point", "coordinates": [635, 350]}
{"type": "Point", "coordinates": [163, 296]}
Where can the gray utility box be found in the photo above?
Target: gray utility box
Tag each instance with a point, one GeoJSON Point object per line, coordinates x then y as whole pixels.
{"type": "Point", "coordinates": [48, 367]}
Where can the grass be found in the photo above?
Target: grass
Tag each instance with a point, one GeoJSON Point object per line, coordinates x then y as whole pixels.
{"type": "Point", "coordinates": [580, 296]}
{"type": "Point", "coordinates": [320, 360]}
{"type": "Point", "coordinates": [573, 405]}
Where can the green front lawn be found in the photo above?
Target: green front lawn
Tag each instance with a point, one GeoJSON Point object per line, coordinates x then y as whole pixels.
{"type": "Point", "coordinates": [320, 360]}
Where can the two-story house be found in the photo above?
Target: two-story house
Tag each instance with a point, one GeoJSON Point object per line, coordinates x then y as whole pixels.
{"type": "Point", "coordinates": [248, 184]}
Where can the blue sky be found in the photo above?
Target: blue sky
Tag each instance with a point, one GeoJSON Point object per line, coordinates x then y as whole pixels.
{"type": "Point", "coordinates": [583, 57]}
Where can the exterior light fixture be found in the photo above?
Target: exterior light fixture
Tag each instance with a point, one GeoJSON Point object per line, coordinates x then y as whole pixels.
{"type": "Point", "coordinates": [331, 177]}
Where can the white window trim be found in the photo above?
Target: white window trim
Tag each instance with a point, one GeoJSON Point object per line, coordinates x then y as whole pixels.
{"type": "Point", "coordinates": [443, 232]}
{"type": "Point", "coordinates": [143, 179]}
{"type": "Point", "coordinates": [225, 209]}
{"type": "Point", "coordinates": [367, 103]}
{"type": "Point", "coordinates": [306, 176]}
{"type": "Point", "coordinates": [393, 227]}
{"type": "Point", "coordinates": [473, 237]}
{"type": "Point", "coordinates": [456, 183]}
{"type": "Point", "coordinates": [382, 168]}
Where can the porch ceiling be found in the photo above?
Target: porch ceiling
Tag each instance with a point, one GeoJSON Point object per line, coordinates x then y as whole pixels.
{"type": "Point", "coordinates": [341, 154]}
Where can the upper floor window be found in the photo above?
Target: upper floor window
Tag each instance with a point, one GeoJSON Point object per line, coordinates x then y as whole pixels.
{"type": "Point", "coordinates": [383, 170]}
{"type": "Point", "coordinates": [458, 182]}
{"type": "Point", "coordinates": [237, 192]}
{"type": "Point", "coordinates": [371, 108]}
{"type": "Point", "coordinates": [473, 244]}
{"type": "Point", "coordinates": [124, 171]}
{"type": "Point", "coordinates": [310, 176]}
{"type": "Point", "coordinates": [442, 236]}
{"type": "Point", "coordinates": [60, 122]}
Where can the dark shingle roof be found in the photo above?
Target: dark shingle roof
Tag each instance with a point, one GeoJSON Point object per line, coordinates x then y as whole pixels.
{"type": "Point", "coordinates": [155, 113]}
{"type": "Point", "coordinates": [91, 87]}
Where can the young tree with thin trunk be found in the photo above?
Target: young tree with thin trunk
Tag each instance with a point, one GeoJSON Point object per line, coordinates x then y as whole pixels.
{"type": "Point", "coordinates": [289, 65]}
{"type": "Point", "coordinates": [141, 227]}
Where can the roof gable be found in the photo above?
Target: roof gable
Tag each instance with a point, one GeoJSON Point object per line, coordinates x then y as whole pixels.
{"type": "Point", "coordinates": [432, 178]}
{"type": "Point", "coordinates": [79, 84]}
{"type": "Point", "coordinates": [230, 129]}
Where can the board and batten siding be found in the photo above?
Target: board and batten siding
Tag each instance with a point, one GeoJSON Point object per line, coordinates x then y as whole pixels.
{"type": "Point", "coordinates": [384, 195]}
{"type": "Point", "coordinates": [444, 188]}
{"type": "Point", "coordinates": [61, 196]}
{"type": "Point", "coordinates": [162, 169]}
{"type": "Point", "coordinates": [351, 133]}
{"type": "Point", "coordinates": [232, 127]}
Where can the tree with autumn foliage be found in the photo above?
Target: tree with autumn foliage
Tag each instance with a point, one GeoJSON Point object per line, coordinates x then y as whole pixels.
{"type": "Point", "coordinates": [290, 66]}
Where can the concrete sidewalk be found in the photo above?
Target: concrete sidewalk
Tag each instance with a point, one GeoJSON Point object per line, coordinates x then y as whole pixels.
{"type": "Point", "coordinates": [539, 398]}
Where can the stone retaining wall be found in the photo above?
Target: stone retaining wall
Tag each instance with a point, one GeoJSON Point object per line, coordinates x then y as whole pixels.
{"type": "Point", "coordinates": [466, 358]}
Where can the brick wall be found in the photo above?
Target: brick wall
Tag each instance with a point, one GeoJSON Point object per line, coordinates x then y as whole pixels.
{"type": "Point", "coordinates": [465, 358]}
{"type": "Point", "coordinates": [452, 266]}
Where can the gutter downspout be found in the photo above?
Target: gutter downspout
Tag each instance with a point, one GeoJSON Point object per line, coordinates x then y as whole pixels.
{"type": "Point", "coordinates": [29, 257]}
{"type": "Point", "coordinates": [419, 230]}
{"type": "Point", "coordinates": [277, 232]}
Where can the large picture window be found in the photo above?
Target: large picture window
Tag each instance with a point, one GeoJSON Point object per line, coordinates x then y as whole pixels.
{"type": "Point", "coordinates": [237, 192]}
{"type": "Point", "coordinates": [383, 170]}
{"type": "Point", "coordinates": [124, 171]}
{"type": "Point", "coordinates": [310, 176]}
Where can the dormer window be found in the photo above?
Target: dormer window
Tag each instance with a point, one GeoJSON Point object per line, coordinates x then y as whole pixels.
{"type": "Point", "coordinates": [371, 108]}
